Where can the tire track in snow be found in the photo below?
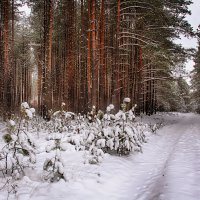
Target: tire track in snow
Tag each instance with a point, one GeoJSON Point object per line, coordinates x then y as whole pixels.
{"type": "Point", "coordinates": [180, 137]}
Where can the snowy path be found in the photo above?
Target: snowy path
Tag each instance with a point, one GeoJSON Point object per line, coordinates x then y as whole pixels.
{"type": "Point", "coordinates": [168, 169]}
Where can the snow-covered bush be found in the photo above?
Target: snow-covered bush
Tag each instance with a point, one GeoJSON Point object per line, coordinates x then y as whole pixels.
{"type": "Point", "coordinates": [60, 121]}
{"type": "Point", "coordinates": [60, 132]}
{"type": "Point", "coordinates": [76, 140]}
{"type": "Point", "coordinates": [92, 115]}
{"type": "Point", "coordinates": [157, 125]}
{"type": "Point", "coordinates": [26, 111]}
{"type": "Point", "coordinates": [19, 150]}
{"type": "Point", "coordinates": [126, 114]}
{"type": "Point", "coordinates": [94, 155]}
{"type": "Point", "coordinates": [118, 134]}
{"type": "Point", "coordinates": [54, 166]}
{"type": "Point", "coordinates": [91, 135]}
{"type": "Point", "coordinates": [121, 138]}
{"type": "Point", "coordinates": [125, 137]}
{"type": "Point", "coordinates": [108, 118]}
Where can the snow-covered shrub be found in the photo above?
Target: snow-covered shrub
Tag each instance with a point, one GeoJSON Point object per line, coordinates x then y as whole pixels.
{"type": "Point", "coordinates": [92, 132]}
{"type": "Point", "coordinates": [77, 140]}
{"type": "Point", "coordinates": [121, 138]}
{"type": "Point", "coordinates": [53, 167]}
{"type": "Point", "coordinates": [26, 111]}
{"type": "Point", "coordinates": [108, 118]}
{"type": "Point", "coordinates": [131, 137]}
{"type": "Point", "coordinates": [19, 150]}
{"type": "Point", "coordinates": [28, 114]}
{"type": "Point", "coordinates": [158, 124]}
{"type": "Point", "coordinates": [37, 125]}
{"type": "Point", "coordinates": [124, 136]}
{"type": "Point", "coordinates": [60, 120]}
{"type": "Point", "coordinates": [153, 128]}
{"type": "Point", "coordinates": [94, 155]}
{"type": "Point", "coordinates": [125, 113]}
{"type": "Point", "coordinates": [92, 115]}
{"type": "Point", "coordinates": [118, 134]}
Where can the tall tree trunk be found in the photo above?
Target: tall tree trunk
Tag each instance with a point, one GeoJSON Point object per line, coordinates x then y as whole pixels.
{"type": "Point", "coordinates": [93, 60]}
{"type": "Point", "coordinates": [47, 82]}
{"type": "Point", "coordinates": [140, 83]}
{"type": "Point", "coordinates": [7, 86]}
{"type": "Point", "coordinates": [89, 84]}
{"type": "Point", "coordinates": [103, 70]}
{"type": "Point", "coordinates": [116, 92]}
{"type": "Point", "coordinates": [83, 64]}
{"type": "Point", "coordinates": [1, 57]}
{"type": "Point", "coordinates": [49, 59]}
{"type": "Point", "coordinates": [70, 55]}
{"type": "Point", "coordinates": [12, 58]}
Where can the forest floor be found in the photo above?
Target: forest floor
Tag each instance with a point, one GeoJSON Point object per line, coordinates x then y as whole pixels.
{"type": "Point", "coordinates": [168, 169]}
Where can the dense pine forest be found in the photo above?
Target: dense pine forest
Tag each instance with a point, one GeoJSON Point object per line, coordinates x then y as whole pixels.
{"type": "Point", "coordinates": [89, 53]}
{"type": "Point", "coordinates": [98, 99]}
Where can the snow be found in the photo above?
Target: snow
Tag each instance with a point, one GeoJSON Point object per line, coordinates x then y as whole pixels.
{"type": "Point", "coordinates": [110, 107]}
{"type": "Point", "coordinates": [168, 168]}
{"type": "Point", "coordinates": [24, 105]}
{"type": "Point", "coordinates": [29, 113]}
{"type": "Point", "coordinates": [12, 123]}
{"type": "Point", "coordinates": [63, 104]}
{"type": "Point", "coordinates": [127, 100]}
{"type": "Point", "coordinates": [32, 110]}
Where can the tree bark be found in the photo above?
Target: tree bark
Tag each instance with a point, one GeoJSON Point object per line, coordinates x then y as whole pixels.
{"type": "Point", "coordinates": [89, 84]}
{"type": "Point", "coordinates": [116, 92]}
{"type": "Point", "coordinates": [6, 67]}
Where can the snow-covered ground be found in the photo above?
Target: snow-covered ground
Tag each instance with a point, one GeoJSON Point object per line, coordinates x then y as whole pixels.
{"type": "Point", "coordinates": [168, 169]}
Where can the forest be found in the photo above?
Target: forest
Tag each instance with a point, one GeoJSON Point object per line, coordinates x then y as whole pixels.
{"type": "Point", "coordinates": [95, 52]}
{"type": "Point", "coordinates": [96, 101]}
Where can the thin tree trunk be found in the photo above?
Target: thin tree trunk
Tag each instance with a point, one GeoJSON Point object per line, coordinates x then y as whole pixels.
{"type": "Point", "coordinates": [48, 98]}
{"type": "Point", "coordinates": [93, 60]}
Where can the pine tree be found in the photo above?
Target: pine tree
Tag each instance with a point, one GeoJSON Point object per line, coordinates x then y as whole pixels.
{"type": "Point", "coordinates": [196, 80]}
{"type": "Point", "coordinates": [98, 52]}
